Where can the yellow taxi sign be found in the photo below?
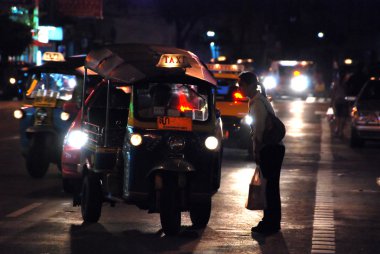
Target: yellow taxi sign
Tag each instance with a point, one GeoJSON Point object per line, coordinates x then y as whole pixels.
{"type": "Point", "coordinates": [173, 61]}
{"type": "Point", "coordinates": [53, 57]}
{"type": "Point", "coordinates": [226, 67]}
{"type": "Point", "coordinates": [174, 123]}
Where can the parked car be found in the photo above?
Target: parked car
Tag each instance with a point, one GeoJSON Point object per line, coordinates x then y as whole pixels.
{"type": "Point", "coordinates": [233, 106]}
{"type": "Point", "coordinates": [365, 114]}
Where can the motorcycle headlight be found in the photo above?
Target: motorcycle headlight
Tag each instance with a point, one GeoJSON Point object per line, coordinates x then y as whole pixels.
{"type": "Point", "coordinates": [18, 114]}
{"type": "Point", "coordinates": [211, 143]}
{"type": "Point", "coordinates": [176, 144]}
{"type": "Point", "coordinates": [76, 139]}
{"type": "Point", "coordinates": [299, 83]}
{"type": "Point", "coordinates": [269, 82]}
{"type": "Point", "coordinates": [135, 139]}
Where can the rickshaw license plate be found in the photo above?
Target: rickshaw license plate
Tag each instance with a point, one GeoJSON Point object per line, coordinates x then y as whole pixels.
{"type": "Point", "coordinates": [45, 102]}
{"type": "Point", "coordinates": [174, 123]}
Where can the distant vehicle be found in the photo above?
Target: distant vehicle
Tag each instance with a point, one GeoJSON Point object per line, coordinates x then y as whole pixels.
{"type": "Point", "coordinates": [289, 78]}
{"type": "Point", "coordinates": [12, 79]}
{"type": "Point", "coordinates": [365, 114]}
{"type": "Point", "coordinates": [233, 106]}
{"type": "Point", "coordinates": [52, 100]}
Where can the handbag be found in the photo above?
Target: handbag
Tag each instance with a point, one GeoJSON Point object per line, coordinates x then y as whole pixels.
{"type": "Point", "coordinates": [256, 195]}
{"type": "Point", "coordinates": [274, 129]}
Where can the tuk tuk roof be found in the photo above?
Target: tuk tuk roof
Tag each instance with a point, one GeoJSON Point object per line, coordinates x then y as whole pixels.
{"type": "Point", "coordinates": [131, 63]}
{"type": "Point", "coordinates": [71, 66]}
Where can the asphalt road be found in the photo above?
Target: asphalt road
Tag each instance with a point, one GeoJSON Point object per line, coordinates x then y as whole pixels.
{"type": "Point", "coordinates": [330, 200]}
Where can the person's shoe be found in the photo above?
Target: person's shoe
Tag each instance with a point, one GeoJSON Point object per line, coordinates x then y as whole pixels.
{"type": "Point", "coordinates": [265, 229]}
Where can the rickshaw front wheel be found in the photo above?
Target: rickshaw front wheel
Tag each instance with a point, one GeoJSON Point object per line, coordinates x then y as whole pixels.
{"type": "Point", "coordinates": [170, 213]}
{"type": "Point", "coordinates": [92, 199]}
{"type": "Point", "coordinates": [200, 213]}
{"type": "Point", "coordinates": [37, 159]}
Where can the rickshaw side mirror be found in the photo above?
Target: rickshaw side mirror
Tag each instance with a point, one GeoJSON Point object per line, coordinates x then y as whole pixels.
{"type": "Point", "coordinates": [217, 113]}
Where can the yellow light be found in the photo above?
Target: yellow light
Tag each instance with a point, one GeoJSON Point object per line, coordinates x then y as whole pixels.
{"type": "Point", "coordinates": [12, 81]}
{"type": "Point", "coordinates": [296, 73]}
{"type": "Point", "coordinates": [18, 114]}
{"type": "Point", "coordinates": [250, 60]}
{"type": "Point", "coordinates": [222, 58]}
{"type": "Point", "coordinates": [65, 116]}
{"type": "Point", "coordinates": [173, 61]}
{"type": "Point", "coordinates": [348, 61]}
{"type": "Point", "coordinates": [136, 139]}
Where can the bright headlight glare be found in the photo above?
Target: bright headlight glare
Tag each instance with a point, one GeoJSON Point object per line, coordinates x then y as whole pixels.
{"type": "Point", "coordinates": [211, 143]}
{"type": "Point", "coordinates": [18, 114]}
{"type": "Point", "coordinates": [269, 82]}
{"type": "Point", "coordinates": [65, 116]}
{"type": "Point", "coordinates": [299, 83]}
{"type": "Point", "coordinates": [77, 139]}
{"type": "Point", "coordinates": [12, 80]}
{"type": "Point", "coordinates": [136, 139]}
{"type": "Point", "coordinates": [248, 119]}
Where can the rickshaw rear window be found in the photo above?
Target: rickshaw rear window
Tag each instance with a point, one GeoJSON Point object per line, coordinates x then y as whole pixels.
{"type": "Point", "coordinates": [58, 85]}
{"type": "Point", "coordinates": [169, 99]}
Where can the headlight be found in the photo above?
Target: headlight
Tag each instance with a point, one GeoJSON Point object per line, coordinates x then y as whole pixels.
{"type": "Point", "coordinates": [76, 138]}
{"type": "Point", "coordinates": [135, 139]}
{"type": "Point", "coordinates": [211, 143]}
{"type": "Point", "coordinates": [65, 116]}
{"type": "Point", "coordinates": [248, 119]}
{"type": "Point", "coordinates": [18, 114]}
{"type": "Point", "coordinates": [269, 82]}
{"type": "Point", "coordinates": [176, 144]}
{"type": "Point", "coordinates": [299, 83]}
{"type": "Point", "coordinates": [12, 80]}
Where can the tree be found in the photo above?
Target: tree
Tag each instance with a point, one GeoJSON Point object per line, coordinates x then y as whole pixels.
{"type": "Point", "coordinates": [184, 16]}
{"type": "Point", "coordinates": [15, 37]}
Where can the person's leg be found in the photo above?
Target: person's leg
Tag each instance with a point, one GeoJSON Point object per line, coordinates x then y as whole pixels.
{"type": "Point", "coordinates": [271, 161]}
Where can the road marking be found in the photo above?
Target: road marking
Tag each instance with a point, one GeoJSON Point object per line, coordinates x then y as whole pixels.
{"type": "Point", "coordinates": [323, 240]}
{"type": "Point", "coordinates": [10, 138]}
{"type": "Point", "coordinates": [23, 210]}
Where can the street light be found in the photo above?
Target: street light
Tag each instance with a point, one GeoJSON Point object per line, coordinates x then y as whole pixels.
{"type": "Point", "coordinates": [210, 33]}
{"type": "Point", "coordinates": [321, 35]}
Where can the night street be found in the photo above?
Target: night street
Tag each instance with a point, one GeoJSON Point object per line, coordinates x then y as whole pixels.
{"type": "Point", "coordinates": [330, 201]}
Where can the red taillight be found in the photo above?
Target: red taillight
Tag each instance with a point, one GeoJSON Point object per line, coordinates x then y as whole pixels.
{"type": "Point", "coordinates": [184, 104]}
{"type": "Point", "coordinates": [237, 96]}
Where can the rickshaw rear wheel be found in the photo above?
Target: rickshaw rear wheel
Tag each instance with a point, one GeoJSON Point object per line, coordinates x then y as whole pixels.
{"type": "Point", "coordinates": [170, 213]}
{"type": "Point", "coordinates": [37, 159]}
{"type": "Point", "coordinates": [92, 199]}
{"type": "Point", "coordinates": [200, 213]}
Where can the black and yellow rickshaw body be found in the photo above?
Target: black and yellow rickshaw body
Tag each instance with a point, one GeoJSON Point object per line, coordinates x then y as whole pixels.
{"type": "Point", "coordinates": [164, 158]}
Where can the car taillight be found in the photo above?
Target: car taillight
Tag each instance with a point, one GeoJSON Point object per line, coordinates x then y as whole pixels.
{"type": "Point", "coordinates": [238, 96]}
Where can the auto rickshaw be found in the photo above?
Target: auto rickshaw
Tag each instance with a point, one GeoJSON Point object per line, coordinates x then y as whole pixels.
{"type": "Point", "coordinates": [52, 100]}
{"type": "Point", "coordinates": [161, 149]}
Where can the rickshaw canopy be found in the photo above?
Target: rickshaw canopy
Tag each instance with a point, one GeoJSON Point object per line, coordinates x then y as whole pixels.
{"type": "Point", "coordinates": [72, 65]}
{"type": "Point", "coordinates": [132, 63]}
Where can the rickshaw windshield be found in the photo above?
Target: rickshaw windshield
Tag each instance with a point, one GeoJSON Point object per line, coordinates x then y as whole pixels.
{"type": "Point", "coordinates": [171, 99]}
{"type": "Point", "coordinates": [57, 85]}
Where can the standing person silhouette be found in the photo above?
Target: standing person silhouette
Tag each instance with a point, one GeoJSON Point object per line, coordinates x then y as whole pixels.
{"type": "Point", "coordinates": [268, 156]}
